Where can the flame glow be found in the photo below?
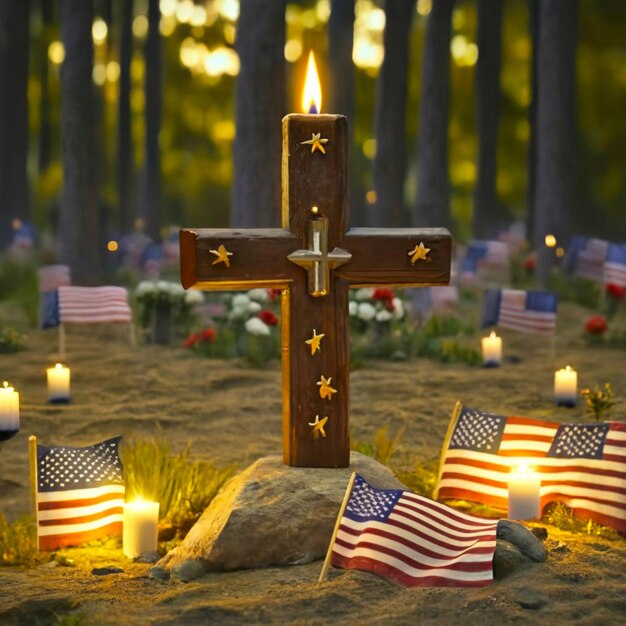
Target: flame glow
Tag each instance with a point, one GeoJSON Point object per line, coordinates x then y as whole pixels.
{"type": "Point", "coordinates": [312, 93]}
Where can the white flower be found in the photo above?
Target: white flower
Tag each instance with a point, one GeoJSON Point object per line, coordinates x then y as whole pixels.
{"type": "Point", "coordinates": [256, 326]}
{"type": "Point", "coordinates": [398, 309]}
{"type": "Point", "coordinates": [194, 296]}
{"type": "Point", "coordinates": [240, 301]}
{"type": "Point", "coordinates": [254, 307]}
{"type": "Point", "coordinates": [145, 287]}
{"type": "Point", "coordinates": [260, 295]}
{"type": "Point", "coordinates": [366, 311]}
{"type": "Point", "coordinates": [366, 293]}
{"type": "Point", "coordinates": [175, 289]}
{"type": "Point", "coordinates": [383, 316]}
{"type": "Point", "coordinates": [353, 308]}
{"type": "Point", "coordinates": [162, 285]}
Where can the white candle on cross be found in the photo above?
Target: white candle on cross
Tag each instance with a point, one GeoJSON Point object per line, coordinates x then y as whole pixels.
{"type": "Point", "coordinates": [58, 383]}
{"type": "Point", "coordinates": [566, 386]}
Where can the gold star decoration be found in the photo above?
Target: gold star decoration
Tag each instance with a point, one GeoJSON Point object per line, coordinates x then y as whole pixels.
{"type": "Point", "coordinates": [222, 256]}
{"type": "Point", "coordinates": [314, 342]}
{"type": "Point", "coordinates": [419, 252]}
{"type": "Point", "coordinates": [316, 142]}
{"type": "Point", "coordinates": [326, 391]}
{"type": "Point", "coordinates": [318, 426]}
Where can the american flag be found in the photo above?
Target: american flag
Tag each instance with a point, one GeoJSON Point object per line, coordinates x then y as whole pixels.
{"type": "Point", "coordinates": [80, 494]}
{"type": "Point", "coordinates": [581, 465]}
{"type": "Point", "coordinates": [51, 277]}
{"type": "Point", "coordinates": [484, 254]}
{"type": "Point", "coordinates": [615, 265]}
{"type": "Point", "coordinates": [585, 257]}
{"type": "Point", "coordinates": [526, 311]}
{"type": "Point", "coordinates": [85, 305]}
{"type": "Point", "coordinates": [412, 540]}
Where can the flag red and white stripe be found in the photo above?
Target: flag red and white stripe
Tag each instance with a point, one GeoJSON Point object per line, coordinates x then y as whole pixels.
{"type": "Point", "coordinates": [590, 478]}
{"type": "Point", "coordinates": [92, 305]}
{"type": "Point", "coordinates": [412, 540]}
{"type": "Point", "coordinates": [590, 261]}
{"type": "Point", "coordinates": [51, 277]}
{"type": "Point", "coordinates": [515, 314]}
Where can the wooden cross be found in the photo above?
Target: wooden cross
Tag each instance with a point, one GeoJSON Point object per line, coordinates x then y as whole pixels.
{"type": "Point", "coordinates": [314, 259]}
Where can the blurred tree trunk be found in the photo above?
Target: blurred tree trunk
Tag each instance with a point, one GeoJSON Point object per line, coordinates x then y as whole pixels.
{"type": "Point", "coordinates": [389, 126]}
{"type": "Point", "coordinates": [488, 213]}
{"type": "Point", "coordinates": [45, 127]}
{"type": "Point", "coordinates": [556, 128]}
{"type": "Point", "coordinates": [151, 196]}
{"type": "Point", "coordinates": [342, 90]}
{"type": "Point", "coordinates": [432, 205]}
{"type": "Point", "coordinates": [533, 21]}
{"type": "Point", "coordinates": [259, 108]}
{"type": "Point", "coordinates": [79, 243]}
{"type": "Point", "coordinates": [124, 137]}
{"type": "Point", "coordinates": [14, 23]}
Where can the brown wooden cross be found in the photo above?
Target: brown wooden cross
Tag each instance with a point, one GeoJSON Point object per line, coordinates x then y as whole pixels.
{"type": "Point", "coordinates": [314, 259]}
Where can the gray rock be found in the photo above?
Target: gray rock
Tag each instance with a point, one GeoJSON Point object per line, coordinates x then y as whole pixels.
{"type": "Point", "coordinates": [273, 514]}
{"type": "Point", "coordinates": [507, 559]}
{"type": "Point", "coordinates": [149, 557]}
{"type": "Point", "coordinates": [105, 571]}
{"type": "Point", "coordinates": [187, 570]}
{"type": "Point", "coordinates": [531, 599]}
{"type": "Point", "coordinates": [523, 539]}
{"type": "Point", "coordinates": [158, 573]}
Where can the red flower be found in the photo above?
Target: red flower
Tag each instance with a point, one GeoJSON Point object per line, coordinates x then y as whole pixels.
{"type": "Point", "coordinates": [274, 294]}
{"type": "Point", "coordinates": [208, 334]}
{"type": "Point", "coordinates": [615, 291]}
{"type": "Point", "coordinates": [268, 317]}
{"type": "Point", "coordinates": [596, 325]}
{"type": "Point", "coordinates": [191, 340]}
{"type": "Point", "coordinates": [530, 264]}
{"type": "Point", "coordinates": [383, 293]}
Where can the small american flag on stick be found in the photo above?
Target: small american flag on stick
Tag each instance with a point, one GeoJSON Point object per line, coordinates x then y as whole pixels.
{"type": "Point", "coordinates": [581, 465]}
{"type": "Point", "coordinates": [412, 540]}
{"type": "Point", "coordinates": [79, 493]}
{"type": "Point", "coordinates": [525, 311]}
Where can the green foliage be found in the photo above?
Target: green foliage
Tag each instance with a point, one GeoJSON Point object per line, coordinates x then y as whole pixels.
{"type": "Point", "coordinates": [576, 289]}
{"type": "Point", "coordinates": [18, 545]}
{"type": "Point", "coordinates": [71, 619]}
{"type": "Point", "coordinates": [182, 487]}
{"type": "Point", "coordinates": [19, 284]}
{"type": "Point", "coordinates": [420, 476]}
{"type": "Point", "coordinates": [561, 516]}
{"type": "Point", "coordinates": [383, 446]}
{"type": "Point", "coordinates": [598, 403]}
{"type": "Point", "coordinates": [11, 341]}
{"type": "Point", "coordinates": [441, 338]}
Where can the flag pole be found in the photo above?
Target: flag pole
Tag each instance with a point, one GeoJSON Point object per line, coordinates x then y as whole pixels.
{"type": "Point", "coordinates": [61, 341]}
{"type": "Point", "coordinates": [342, 509]}
{"type": "Point", "coordinates": [32, 459]}
{"type": "Point", "coordinates": [453, 419]}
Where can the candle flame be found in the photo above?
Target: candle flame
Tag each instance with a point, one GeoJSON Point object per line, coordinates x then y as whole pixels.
{"type": "Point", "coordinates": [523, 469]}
{"type": "Point", "coordinates": [312, 93]}
{"type": "Point", "coordinates": [58, 366]}
{"type": "Point", "coordinates": [568, 368]}
{"type": "Point", "coordinates": [493, 334]}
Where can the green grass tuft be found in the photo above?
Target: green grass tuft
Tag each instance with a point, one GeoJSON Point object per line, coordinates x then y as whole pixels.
{"type": "Point", "coordinates": [559, 515]}
{"type": "Point", "coordinates": [383, 446]}
{"type": "Point", "coordinates": [17, 541]}
{"type": "Point", "coordinates": [182, 487]}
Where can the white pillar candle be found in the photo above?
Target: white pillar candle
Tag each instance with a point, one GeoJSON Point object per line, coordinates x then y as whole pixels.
{"type": "Point", "coordinates": [58, 383]}
{"type": "Point", "coordinates": [566, 386]}
{"type": "Point", "coordinates": [140, 532]}
{"type": "Point", "coordinates": [9, 409]}
{"type": "Point", "coordinates": [524, 490]}
{"type": "Point", "coordinates": [492, 350]}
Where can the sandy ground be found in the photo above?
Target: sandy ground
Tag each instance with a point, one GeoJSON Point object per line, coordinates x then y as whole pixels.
{"type": "Point", "coordinates": [232, 414]}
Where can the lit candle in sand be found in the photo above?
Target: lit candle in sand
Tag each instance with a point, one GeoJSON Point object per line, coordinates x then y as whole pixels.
{"type": "Point", "coordinates": [58, 383]}
{"type": "Point", "coordinates": [141, 519]}
{"type": "Point", "coordinates": [9, 411]}
{"type": "Point", "coordinates": [492, 350]}
{"type": "Point", "coordinates": [524, 489]}
{"type": "Point", "coordinates": [566, 386]}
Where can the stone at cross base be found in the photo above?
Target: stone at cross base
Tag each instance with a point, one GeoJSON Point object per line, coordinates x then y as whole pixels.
{"type": "Point", "coordinates": [314, 259]}
{"type": "Point", "coordinates": [273, 514]}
